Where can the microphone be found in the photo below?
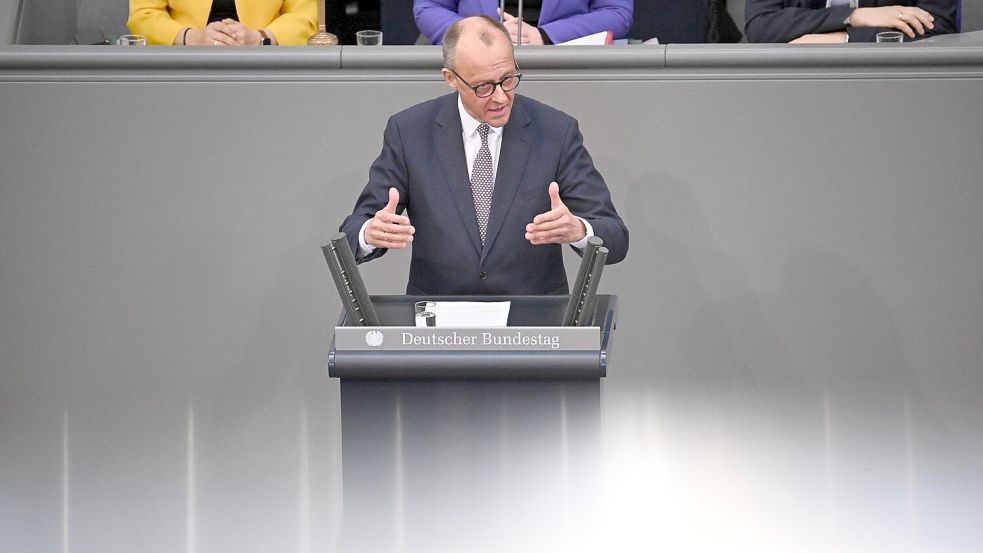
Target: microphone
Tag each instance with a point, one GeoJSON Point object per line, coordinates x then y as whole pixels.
{"type": "Point", "coordinates": [586, 314]}
{"type": "Point", "coordinates": [585, 286]}
{"type": "Point", "coordinates": [348, 281]}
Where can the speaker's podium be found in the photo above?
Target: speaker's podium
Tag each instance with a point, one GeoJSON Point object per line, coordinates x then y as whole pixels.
{"type": "Point", "coordinates": [546, 337]}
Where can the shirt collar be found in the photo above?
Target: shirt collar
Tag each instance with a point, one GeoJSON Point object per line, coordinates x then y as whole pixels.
{"type": "Point", "coordinates": [469, 125]}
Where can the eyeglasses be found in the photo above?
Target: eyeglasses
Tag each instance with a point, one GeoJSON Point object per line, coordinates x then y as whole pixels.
{"type": "Point", "coordinates": [485, 90]}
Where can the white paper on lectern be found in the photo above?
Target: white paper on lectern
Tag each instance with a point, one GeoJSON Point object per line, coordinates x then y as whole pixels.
{"type": "Point", "coordinates": [472, 313]}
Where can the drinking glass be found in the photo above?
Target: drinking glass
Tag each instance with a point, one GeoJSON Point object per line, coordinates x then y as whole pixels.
{"type": "Point", "coordinates": [426, 313]}
{"type": "Point", "coordinates": [132, 40]}
{"type": "Point", "coordinates": [368, 38]}
{"type": "Point", "coordinates": [891, 37]}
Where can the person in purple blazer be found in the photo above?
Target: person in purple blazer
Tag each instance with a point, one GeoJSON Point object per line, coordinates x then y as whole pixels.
{"type": "Point", "coordinates": [559, 20]}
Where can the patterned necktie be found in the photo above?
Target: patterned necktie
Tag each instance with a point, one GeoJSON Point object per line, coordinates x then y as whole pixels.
{"type": "Point", "coordinates": [482, 184]}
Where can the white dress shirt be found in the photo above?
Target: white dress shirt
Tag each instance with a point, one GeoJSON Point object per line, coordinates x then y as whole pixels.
{"type": "Point", "coordinates": [472, 143]}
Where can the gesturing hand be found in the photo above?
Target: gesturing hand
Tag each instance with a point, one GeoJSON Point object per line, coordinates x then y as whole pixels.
{"type": "Point", "coordinates": [907, 19]}
{"type": "Point", "coordinates": [556, 226]}
{"type": "Point", "coordinates": [388, 230]}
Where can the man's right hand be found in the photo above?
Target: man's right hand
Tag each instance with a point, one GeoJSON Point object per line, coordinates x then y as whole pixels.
{"type": "Point", "coordinates": [907, 19]}
{"type": "Point", "coordinates": [388, 230]}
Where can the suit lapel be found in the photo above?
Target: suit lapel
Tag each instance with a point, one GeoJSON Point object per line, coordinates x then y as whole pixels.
{"type": "Point", "coordinates": [450, 152]}
{"type": "Point", "coordinates": [511, 166]}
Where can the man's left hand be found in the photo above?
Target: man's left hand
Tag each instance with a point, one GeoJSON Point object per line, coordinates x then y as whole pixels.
{"type": "Point", "coordinates": [556, 226]}
{"type": "Point", "coordinates": [530, 34]}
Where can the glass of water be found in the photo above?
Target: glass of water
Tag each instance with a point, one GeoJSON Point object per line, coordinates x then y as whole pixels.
{"type": "Point", "coordinates": [132, 40]}
{"type": "Point", "coordinates": [890, 37]}
{"type": "Point", "coordinates": [368, 38]}
{"type": "Point", "coordinates": [426, 313]}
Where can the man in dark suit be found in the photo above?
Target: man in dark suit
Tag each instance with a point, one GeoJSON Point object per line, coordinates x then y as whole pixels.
{"type": "Point", "coordinates": [494, 183]}
{"type": "Point", "coordinates": [818, 21]}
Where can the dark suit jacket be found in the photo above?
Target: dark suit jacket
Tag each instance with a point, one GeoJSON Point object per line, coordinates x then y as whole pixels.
{"type": "Point", "coordinates": [786, 20]}
{"type": "Point", "coordinates": [423, 156]}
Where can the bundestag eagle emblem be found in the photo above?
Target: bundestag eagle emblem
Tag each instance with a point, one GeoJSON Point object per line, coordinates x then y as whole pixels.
{"type": "Point", "coordinates": [373, 338]}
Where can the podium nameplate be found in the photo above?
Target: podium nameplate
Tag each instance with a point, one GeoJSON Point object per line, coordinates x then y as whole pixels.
{"type": "Point", "coordinates": [411, 338]}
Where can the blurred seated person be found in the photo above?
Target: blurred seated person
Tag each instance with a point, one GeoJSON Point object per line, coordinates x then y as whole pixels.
{"type": "Point", "coordinates": [222, 22]}
{"type": "Point", "coordinates": [557, 20]}
{"type": "Point", "coordinates": [818, 21]}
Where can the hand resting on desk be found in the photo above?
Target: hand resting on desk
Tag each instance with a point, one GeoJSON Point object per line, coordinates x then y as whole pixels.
{"type": "Point", "coordinates": [227, 32]}
{"type": "Point", "coordinates": [907, 19]}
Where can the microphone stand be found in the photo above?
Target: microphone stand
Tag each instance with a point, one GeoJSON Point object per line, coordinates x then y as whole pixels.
{"type": "Point", "coordinates": [501, 17]}
{"type": "Point", "coordinates": [518, 39]}
{"type": "Point", "coordinates": [322, 37]}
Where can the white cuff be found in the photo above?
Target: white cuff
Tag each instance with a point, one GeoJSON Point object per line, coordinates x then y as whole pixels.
{"type": "Point", "coordinates": [582, 243]}
{"type": "Point", "coordinates": [363, 248]}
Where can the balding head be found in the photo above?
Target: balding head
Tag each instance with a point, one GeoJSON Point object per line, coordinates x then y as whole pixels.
{"type": "Point", "coordinates": [478, 51]}
{"type": "Point", "coordinates": [473, 31]}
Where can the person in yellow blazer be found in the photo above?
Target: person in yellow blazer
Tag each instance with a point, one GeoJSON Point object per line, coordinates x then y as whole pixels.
{"type": "Point", "coordinates": [186, 22]}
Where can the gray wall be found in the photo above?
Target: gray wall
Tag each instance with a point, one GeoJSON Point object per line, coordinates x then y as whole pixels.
{"type": "Point", "coordinates": [9, 16]}
{"type": "Point", "coordinates": [972, 16]}
{"type": "Point", "coordinates": [108, 16]}
{"type": "Point", "coordinates": [48, 22]}
{"type": "Point", "coordinates": [57, 21]}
